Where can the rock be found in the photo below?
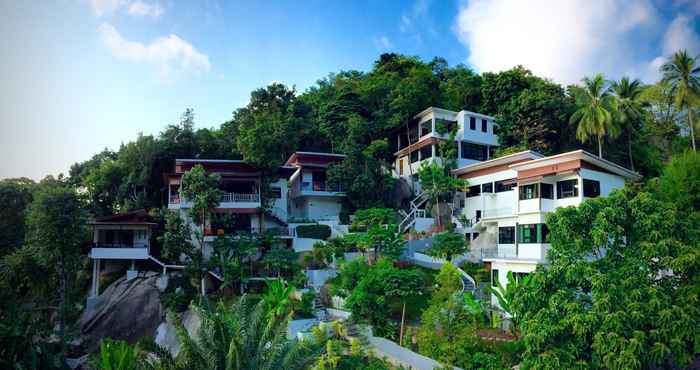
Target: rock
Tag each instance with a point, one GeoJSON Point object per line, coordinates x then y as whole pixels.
{"type": "Point", "coordinates": [166, 336]}
{"type": "Point", "coordinates": [402, 194]}
{"type": "Point", "coordinates": [127, 310]}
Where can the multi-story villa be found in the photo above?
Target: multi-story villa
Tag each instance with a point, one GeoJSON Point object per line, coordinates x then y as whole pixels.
{"type": "Point", "coordinates": [503, 212]}
{"type": "Point", "coordinates": [476, 139]}
{"type": "Point", "coordinates": [311, 196]}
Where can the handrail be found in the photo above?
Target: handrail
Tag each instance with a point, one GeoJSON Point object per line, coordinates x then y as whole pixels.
{"type": "Point", "coordinates": [240, 197]}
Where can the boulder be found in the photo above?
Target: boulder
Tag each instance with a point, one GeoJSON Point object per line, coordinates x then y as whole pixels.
{"type": "Point", "coordinates": [402, 194]}
{"type": "Point", "coordinates": [127, 310]}
{"type": "Point", "coordinates": [166, 336]}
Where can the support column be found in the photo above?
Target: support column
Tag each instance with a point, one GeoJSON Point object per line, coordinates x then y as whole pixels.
{"type": "Point", "coordinates": [95, 278]}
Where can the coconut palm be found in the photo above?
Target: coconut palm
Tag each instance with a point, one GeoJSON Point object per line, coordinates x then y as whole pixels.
{"type": "Point", "coordinates": [241, 336]}
{"type": "Point", "coordinates": [682, 72]}
{"type": "Point", "coordinates": [594, 115]}
{"type": "Point", "coordinates": [628, 108]}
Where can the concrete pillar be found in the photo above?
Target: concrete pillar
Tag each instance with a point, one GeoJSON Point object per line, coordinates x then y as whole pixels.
{"type": "Point", "coordinates": [95, 278]}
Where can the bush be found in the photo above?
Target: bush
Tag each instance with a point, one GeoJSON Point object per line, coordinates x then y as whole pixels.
{"type": "Point", "coordinates": [322, 232]}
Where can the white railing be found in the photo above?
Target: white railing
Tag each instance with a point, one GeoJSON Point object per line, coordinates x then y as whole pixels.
{"type": "Point", "coordinates": [239, 197]}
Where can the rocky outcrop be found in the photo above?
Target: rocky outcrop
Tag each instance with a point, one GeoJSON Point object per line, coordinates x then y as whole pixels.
{"type": "Point", "coordinates": [127, 310]}
{"type": "Point", "coordinates": [166, 336]}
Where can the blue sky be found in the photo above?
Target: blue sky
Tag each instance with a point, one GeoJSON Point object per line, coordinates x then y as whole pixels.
{"type": "Point", "coordinates": [81, 75]}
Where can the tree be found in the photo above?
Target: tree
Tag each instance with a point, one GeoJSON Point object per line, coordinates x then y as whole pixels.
{"type": "Point", "coordinates": [505, 295]}
{"type": "Point", "coordinates": [231, 252]}
{"type": "Point", "coordinates": [608, 298]}
{"type": "Point", "coordinates": [56, 231]}
{"type": "Point", "coordinates": [682, 72]}
{"type": "Point", "coordinates": [202, 191]}
{"type": "Point", "coordinates": [628, 108]}
{"type": "Point", "coordinates": [403, 284]}
{"type": "Point", "coordinates": [437, 183]}
{"type": "Point", "coordinates": [15, 195]}
{"type": "Point", "coordinates": [278, 298]}
{"type": "Point", "coordinates": [594, 114]}
{"type": "Point", "coordinates": [448, 244]}
{"type": "Point", "coordinates": [280, 259]}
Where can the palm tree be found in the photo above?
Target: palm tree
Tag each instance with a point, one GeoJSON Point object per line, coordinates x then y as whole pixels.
{"type": "Point", "coordinates": [683, 74]}
{"type": "Point", "coordinates": [239, 337]}
{"type": "Point", "coordinates": [594, 114]}
{"type": "Point", "coordinates": [628, 108]}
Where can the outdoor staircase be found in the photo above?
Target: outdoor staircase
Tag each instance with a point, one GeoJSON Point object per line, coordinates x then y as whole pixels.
{"type": "Point", "coordinates": [409, 219]}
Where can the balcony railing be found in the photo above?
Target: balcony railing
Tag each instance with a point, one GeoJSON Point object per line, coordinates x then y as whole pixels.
{"type": "Point", "coordinates": [497, 212]}
{"type": "Point", "coordinates": [510, 252]}
{"type": "Point", "coordinates": [320, 186]}
{"type": "Point", "coordinates": [175, 199]}
{"type": "Point", "coordinates": [119, 245]}
{"type": "Point", "coordinates": [279, 231]}
{"type": "Point", "coordinates": [239, 197]}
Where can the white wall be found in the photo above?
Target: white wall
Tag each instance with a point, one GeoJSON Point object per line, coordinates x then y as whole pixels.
{"type": "Point", "coordinates": [608, 182]}
{"type": "Point", "coordinates": [316, 207]}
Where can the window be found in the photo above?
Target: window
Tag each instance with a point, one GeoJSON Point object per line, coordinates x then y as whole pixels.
{"type": "Point", "coordinates": [533, 233]}
{"type": "Point", "coordinates": [474, 151]}
{"type": "Point", "coordinates": [475, 235]}
{"type": "Point", "coordinates": [474, 191]}
{"type": "Point", "coordinates": [567, 189]}
{"type": "Point", "coordinates": [502, 186]}
{"type": "Point", "coordinates": [547, 191]}
{"type": "Point", "coordinates": [484, 125]}
{"type": "Point", "coordinates": [495, 129]}
{"type": "Point", "coordinates": [472, 123]}
{"type": "Point", "coordinates": [506, 235]}
{"type": "Point", "coordinates": [487, 188]}
{"type": "Point", "coordinates": [492, 152]}
{"type": "Point", "coordinates": [414, 157]}
{"type": "Point", "coordinates": [494, 278]}
{"type": "Point", "coordinates": [400, 167]}
{"type": "Point", "coordinates": [276, 192]}
{"type": "Point", "coordinates": [426, 152]}
{"type": "Point", "coordinates": [426, 127]}
{"type": "Point", "coordinates": [529, 191]}
{"type": "Point", "coordinates": [591, 188]}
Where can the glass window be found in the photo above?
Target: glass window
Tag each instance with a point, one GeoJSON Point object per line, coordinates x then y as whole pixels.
{"type": "Point", "coordinates": [547, 191]}
{"type": "Point", "coordinates": [527, 233]}
{"type": "Point", "coordinates": [544, 233]}
{"type": "Point", "coordinates": [501, 186]}
{"type": "Point", "coordinates": [495, 129]}
{"type": "Point", "coordinates": [591, 188]}
{"type": "Point", "coordinates": [528, 191]}
{"type": "Point", "coordinates": [484, 125]}
{"type": "Point", "coordinates": [472, 123]}
{"type": "Point", "coordinates": [414, 156]}
{"type": "Point", "coordinates": [567, 189]}
{"type": "Point", "coordinates": [426, 152]}
{"type": "Point", "coordinates": [426, 127]}
{"type": "Point", "coordinates": [276, 192]}
{"type": "Point", "coordinates": [492, 152]}
{"type": "Point", "coordinates": [475, 235]}
{"type": "Point", "coordinates": [506, 235]}
{"type": "Point", "coordinates": [487, 188]}
{"type": "Point", "coordinates": [474, 191]}
{"type": "Point", "coordinates": [494, 278]}
{"type": "Point", "coordinates": [474, 151]}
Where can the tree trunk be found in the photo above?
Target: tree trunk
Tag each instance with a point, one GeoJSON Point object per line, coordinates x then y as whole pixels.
{"type": "Point", "coordinates": [629, 147]}
{"type": "Point", "coordinates": [62, 306]}
{"type": "Point", "coordinates": [691, 125]}
{"type": "Point", "coordinates": [437, 204]}
{"type": "Point", "coordinates": [600, 146]}
{"type": "Point", "coordinates": [403, 316]}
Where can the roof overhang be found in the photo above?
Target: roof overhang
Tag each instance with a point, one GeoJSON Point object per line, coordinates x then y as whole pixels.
{"type": "Point", "coordinates": [580, 155]}
{"type": "Point", "coordinates": [523, 156]}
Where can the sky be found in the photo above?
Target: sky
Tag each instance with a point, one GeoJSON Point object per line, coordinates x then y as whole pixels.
{"type": "Point", "coordinates": [77, 76]}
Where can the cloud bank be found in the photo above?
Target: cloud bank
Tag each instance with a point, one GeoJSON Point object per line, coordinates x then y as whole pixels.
{"type": "Point", "coordinates": [171, 55]}
{"type": "Point", "coordinates": [567, 40]}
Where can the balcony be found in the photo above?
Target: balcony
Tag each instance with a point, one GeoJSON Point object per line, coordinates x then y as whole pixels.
{"type": "Point", "coordinates": [240, 198]}
{"type": "Point", "coordinates": [318, 188]}
{"type": "Point", "coordinates": [523, 252]}
{"type": "Point", "coordinates": [498, 212]}
{"type": "Point", "coordinates": [228, 200]}
{"type": "Point", "coordinates": [119, 251]}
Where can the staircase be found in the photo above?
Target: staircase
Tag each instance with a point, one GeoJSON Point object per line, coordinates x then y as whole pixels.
{"type": "Point", "coordinates": [468, 283]}
{"type": "Point", "coordinates": [409, 219]}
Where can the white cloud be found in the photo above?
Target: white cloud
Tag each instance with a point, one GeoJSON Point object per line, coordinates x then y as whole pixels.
{"type": "Point", "coordinates": [102, 7]}
{"type": "Point", "coordinates": [171, 55]}
{"type": "Point", "coordinates": [382, 43]}
{"type": "Point", "coordinates": [680, 35]}
{"type": "Point", "coordinates": [140, 9]}
{"type": "Point", "coordinates": [562, 40]}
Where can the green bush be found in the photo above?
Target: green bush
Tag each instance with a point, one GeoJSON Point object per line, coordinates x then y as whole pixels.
{"type": "Point", "coordinates": [322, 232]}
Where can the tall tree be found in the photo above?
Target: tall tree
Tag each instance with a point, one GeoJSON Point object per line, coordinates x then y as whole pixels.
{"type": "Point", "coordinates": [628, 108]}
{"type": "Point", "coordinates": [594, 115]}
{"type": "Point", "coordinates": [682, 72]}
{"type": "Point", "coordinates": [56, 225]}
{"type": "Point", "coordinates": [15, 196]}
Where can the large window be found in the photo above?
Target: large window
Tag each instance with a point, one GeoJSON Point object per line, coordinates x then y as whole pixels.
{"type": "Point", "coordinates": [495, 129]}
{"type": "Point", "coordinates": [529, 191]}
{"type": "Point", "coordinates": [487, 187]}
{"type": "Point", "coordinates": [532, 233]}
{"type": "Point", "coordinates": [547, 191]}
{"type": "Point", "coordinates": [426, 127]}
{"type": "Point", "coordinates": [505, 185]}
{"type": "Point", "coordinates": [474, 191]}
{"type": "Point", "coordinates": [567, 189]}
{"type": "Point", "coordinates": [474, 151]}
{"type": "Point", "coordinates": [494, 278]}
{"type": "Point", "coordinates": [414, 156]}
{"type": "Point", "coordinates": [506, 235]}
{"type": "Point", "coordinates": [472, 123]}
{"type": "Point", "coordinates": [484, 125]}
{"type": "Point", "coordinates": [591, 188]}
{"type": "Point", "coordinates": [426, 152]}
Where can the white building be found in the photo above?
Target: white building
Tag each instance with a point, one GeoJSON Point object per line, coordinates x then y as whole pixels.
{"type": "Point", "coordinates": [503, 212]}
{"type": "Point", "coordinates": [311, 196]}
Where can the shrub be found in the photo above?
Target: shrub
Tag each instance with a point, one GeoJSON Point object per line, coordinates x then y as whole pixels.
{"type": "Point", "coordinates": [322, 232]}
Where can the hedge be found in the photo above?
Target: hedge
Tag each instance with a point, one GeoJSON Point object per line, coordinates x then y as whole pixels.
{"type": "Point", "coordinates": [322, 232]}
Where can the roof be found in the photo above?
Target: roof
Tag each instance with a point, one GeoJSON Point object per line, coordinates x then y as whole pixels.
{"type": "Point", "coordinates": [225, 167]}
{"type": "Point", "coordinates": [136, 217]}
{"type": "Point", "coordinates": [578, 155]}
{"type": "Point", "coordinates": [447, 111]}
{"type": "Point", "coordinates": [523, 156]}
{"type": "Point", "coordinates": [313, 159]}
